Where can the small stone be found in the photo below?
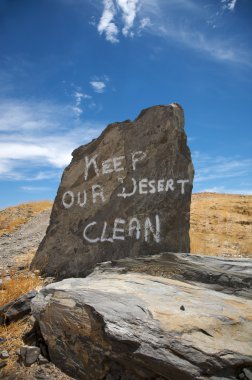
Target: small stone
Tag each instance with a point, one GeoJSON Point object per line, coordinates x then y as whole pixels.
{"type": "Point", "coordinates": [42, 360]}
{"type": "Point", "coordinates": [49, 280]}
{"type": "Point", "coordinates": [29, 354]}
{"type": "Point", "coordinates": [182, 307]}
{"type": "Point", "coordinates": [4, 355]}
{"type": "Point", "coordinates": [17, 308]}
{"type": "Point", "coordinates": [41, 375]}
{"type": "Point", "coordinates": [31, 320]}
{"type": "Point", "coordinates": [3, 364]}
{"type": "Point", "coordinates": [248, 373]}
{"type": "Point", "coordinates": [241, 376]}
{"type": "Point", "coordinates": [18, 352]}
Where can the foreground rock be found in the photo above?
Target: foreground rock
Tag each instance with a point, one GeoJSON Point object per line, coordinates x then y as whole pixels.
{"type": "Point", "coordinates": [231, 276]}
{"type": "Point", "coordinates": [36, 372]}
{"type": "Point", "coordinates": [29, 354]}
{"type": "Point", "coordinates": [118, 322]}
{"type": "Point", "coordinates": [16, 309]}
{"type": "Point", "coordinates": [126, 193]}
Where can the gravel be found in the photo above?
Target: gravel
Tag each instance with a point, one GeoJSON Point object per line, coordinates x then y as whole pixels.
{"type": "Point", "coordinates": [23, 240]}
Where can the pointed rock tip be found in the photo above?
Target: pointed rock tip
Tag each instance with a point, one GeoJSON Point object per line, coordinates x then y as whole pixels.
{"type": "Point", "coordinates": [173, 105]}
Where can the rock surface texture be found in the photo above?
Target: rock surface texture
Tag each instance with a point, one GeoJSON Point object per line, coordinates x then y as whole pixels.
{"type": "Point", "coordinates": [127, 193]}
{"type": "Point", "coordinates": [16, 309]}
{"type": "Point", "coordinates": [118, 323]}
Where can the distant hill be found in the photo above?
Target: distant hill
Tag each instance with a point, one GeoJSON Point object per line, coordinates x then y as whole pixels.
{"type": "Point", "coordinates": [220, 223]}
{"type": "Point", "coordinates": [12, 218]}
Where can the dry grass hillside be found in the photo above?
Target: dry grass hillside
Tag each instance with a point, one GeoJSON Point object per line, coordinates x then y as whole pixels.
{"type": "Point", "coordinates": [13, 217]}
{"type": "Point", "coordinates": [221, 224]}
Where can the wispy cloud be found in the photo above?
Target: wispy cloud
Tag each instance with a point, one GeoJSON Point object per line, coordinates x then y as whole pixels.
{"type": "Point", "coordinates": [219, 49]}
{"type": "Point", "coordinates": [180, 21]}
{"type": "Point", "coordinates": [37, 139]}
{"type": "Point", "coordinates": [98, 86]}
{"type": "Point", "coordinates": [184, 23]}
{"type": "Point", "coordinates": [20, 115]}
{"type": "Point", "coordinates": [106, 24]}
{"type": "Point", "coordinates": [35, 188]}
{"type": "Point", "coordinates": [79, 97]}
{"type": "Point", "coordinates": [117, 15]}
{"type": "Point", "coordinates": [79, 100]}
{"type": "Point", "coordinates": [129, 11]}
{"type": "Point", "coordinates": [231, 174]}
{"type": "Point", "coordinates": [144, 23]}
{"type": "Point", "coordinates": [215, 19]}
{"type": "Point", "coordinates": [229, 4]}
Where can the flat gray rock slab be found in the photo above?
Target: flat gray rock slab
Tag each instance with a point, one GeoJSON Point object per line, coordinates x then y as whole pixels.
{"type": "Point", "coordinates": [117, 322]}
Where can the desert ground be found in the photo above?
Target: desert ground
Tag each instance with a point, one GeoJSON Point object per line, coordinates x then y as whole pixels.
{"type": "Point", "coordinates": [221, 225]}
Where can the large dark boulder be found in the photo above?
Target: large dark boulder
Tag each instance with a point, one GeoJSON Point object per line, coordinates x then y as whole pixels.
{"type": "Point", "coordinates": [127, 193]}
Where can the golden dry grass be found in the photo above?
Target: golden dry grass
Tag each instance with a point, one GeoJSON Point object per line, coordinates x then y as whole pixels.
{"type": "Point", "coordinates": [13, 335]}
{"type": "Point", "coordinates": [13, 217]}
{"type": "Point", "coordinates": [18, 285]}
{"type": "Point", "coordinates": [25, 259]}
{"type": "Point", "coordinates": [221, 224]}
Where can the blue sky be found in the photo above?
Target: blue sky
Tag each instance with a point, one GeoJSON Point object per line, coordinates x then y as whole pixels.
{"type": "Point", "coordinates": [70, 67]}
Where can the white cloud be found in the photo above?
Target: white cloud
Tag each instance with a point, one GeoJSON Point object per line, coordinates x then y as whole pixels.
{"type": "Point", "coordinates": [81, 95]}
{"type": "Point", "coordinates": [115, 13]}
{"type": "Point", "coordinates": [36, 139]}
{"type": "Point", "coordinates": [15, 115]}
{"type": "Point", "coordinates": [106, 24]}
{"type": "Point", "coordinates": [129, 11]}
{"type": "Point", "coordinates": [221, 50]}
{"type": "Point", "coordinates": [175, 22]}
{"type": "Point", "coordinates": [35, 188]}
{"type": "Point", "coordinates": [98, 86]}
{"type": "Point", "coordinates": [77, 111]}
{"type": "Point", "coordinates": [179, 21]}
{"type": "Point", "coordinates": [229, 4]}
{"type": "Point", "coordinates": [79, 98]}
{"type": "Point", "coordinates": [144, 23]}
{"type": "Point", "coordinates": [212, 168]}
